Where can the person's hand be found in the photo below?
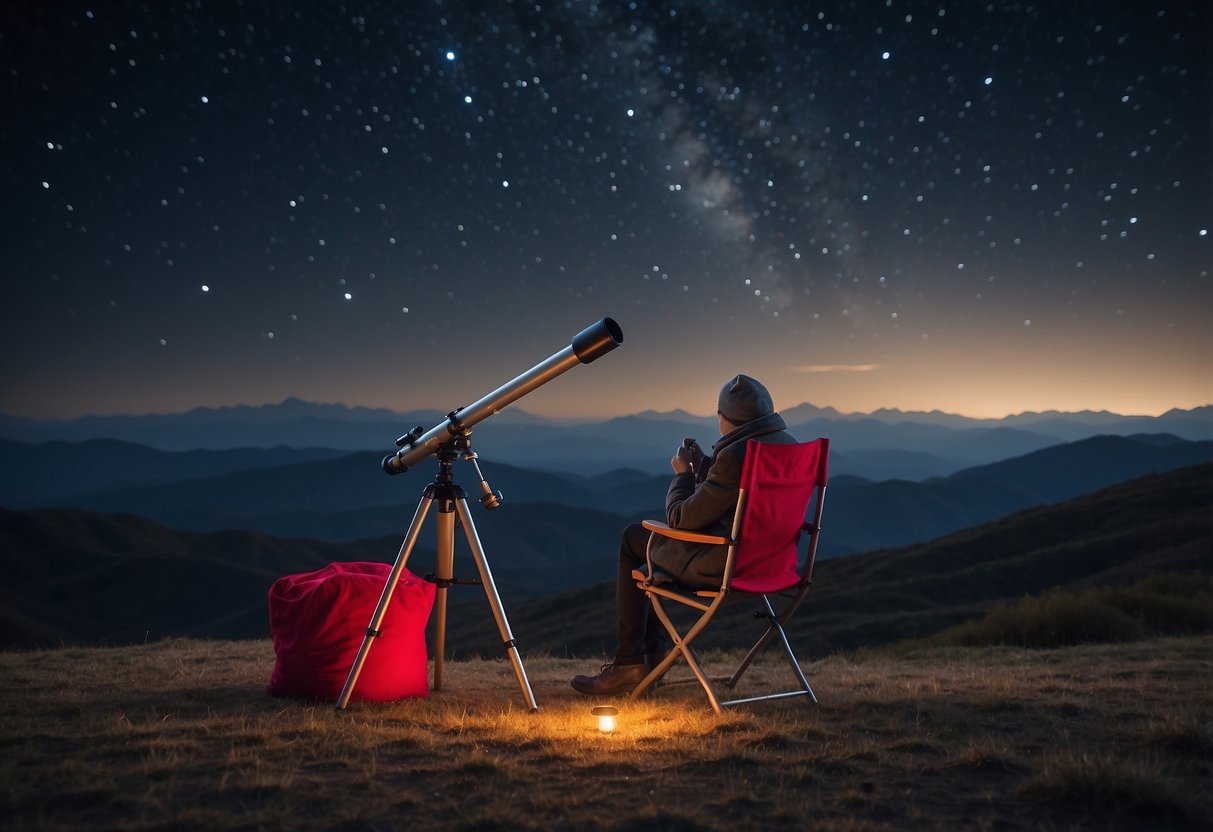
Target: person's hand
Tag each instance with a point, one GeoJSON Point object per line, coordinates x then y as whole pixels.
{"type": "Point", "coordinates": [681, 462]}
{"type": "Point", "coordinates": [687, 458]}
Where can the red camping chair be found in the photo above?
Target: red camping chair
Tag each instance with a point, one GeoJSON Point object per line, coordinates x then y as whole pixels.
{"type": "Point", "coordinates": [777, 487]}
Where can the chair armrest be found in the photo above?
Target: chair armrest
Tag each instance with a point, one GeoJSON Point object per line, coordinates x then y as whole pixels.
{"type": "Point", "coordinates": [657, 527]}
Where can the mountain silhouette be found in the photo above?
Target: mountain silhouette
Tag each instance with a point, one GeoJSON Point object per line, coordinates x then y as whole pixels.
{"type": "Point", "coordinates": [645, 441]}
{"type": "Point", "coordinates": [32, 475]}
{"type": "Point", "coordinates": [80, 578]}
{"type": "Point", "coordinates": [348, 498]}
{"type": "Point", "coordinates": [867, 516]}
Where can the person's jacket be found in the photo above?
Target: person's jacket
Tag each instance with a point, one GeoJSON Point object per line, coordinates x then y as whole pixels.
{"type": "Point", "coordinates": [706, 502]}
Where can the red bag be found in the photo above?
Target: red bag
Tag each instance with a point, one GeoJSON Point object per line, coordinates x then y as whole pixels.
{"type": "Point", "coordinates": [319, 619]}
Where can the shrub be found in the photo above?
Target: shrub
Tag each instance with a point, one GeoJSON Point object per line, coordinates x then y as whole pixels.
{"type": "Point", "coordinates": [1156, 606]}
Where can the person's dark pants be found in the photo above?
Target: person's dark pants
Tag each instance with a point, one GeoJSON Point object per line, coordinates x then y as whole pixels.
{"type": "Point", "coordinates": [640, 630]}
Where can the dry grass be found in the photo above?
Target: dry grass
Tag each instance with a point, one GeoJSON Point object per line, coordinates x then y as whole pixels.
{"type": "Point", "coordinates": [180, 735]}
{"type": "Point", "coordinates": [1160, 605]}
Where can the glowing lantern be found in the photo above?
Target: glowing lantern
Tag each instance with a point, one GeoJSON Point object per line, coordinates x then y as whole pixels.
{"type": "Point", "coordinates": [606, 717]}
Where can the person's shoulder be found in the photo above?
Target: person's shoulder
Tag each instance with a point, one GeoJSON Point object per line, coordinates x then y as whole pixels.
{"type": "Point", "coordinates": [730, 456]}
{"type": "Point", "coordinates": [777, 437]}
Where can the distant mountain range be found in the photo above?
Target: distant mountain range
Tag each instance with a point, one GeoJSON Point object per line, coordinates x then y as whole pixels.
{"type": "Point", "coordinates": [882, 445]}
{"type": "Point", "coordinates": [550, 526]}
{"type": "Point", "coordinates": [78, 577]}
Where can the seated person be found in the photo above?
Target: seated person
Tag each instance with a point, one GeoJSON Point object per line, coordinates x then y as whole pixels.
{"type": "Point", "coordinates": [702, 497]}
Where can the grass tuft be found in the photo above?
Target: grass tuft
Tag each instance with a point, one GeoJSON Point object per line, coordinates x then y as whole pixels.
{"type": "Point", "coordinates": [1183, 733]}
{"type": "Point", "coordinates": [1110, 787]}
{"type": "Point", "coordinates": [1161, 605]}
{"type": "Point", "coordinates": [661, 822]}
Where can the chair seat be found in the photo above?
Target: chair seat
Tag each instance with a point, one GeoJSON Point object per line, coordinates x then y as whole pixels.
{"type": "Point", "coordinates": [668, 584]}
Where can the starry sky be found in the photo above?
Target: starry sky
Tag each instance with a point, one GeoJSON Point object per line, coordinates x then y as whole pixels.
{"type": "Point", "coordinates": [979, 208]}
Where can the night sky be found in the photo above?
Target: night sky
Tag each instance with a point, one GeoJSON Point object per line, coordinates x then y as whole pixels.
{"type": "Point", "coordinates": [983, 209]}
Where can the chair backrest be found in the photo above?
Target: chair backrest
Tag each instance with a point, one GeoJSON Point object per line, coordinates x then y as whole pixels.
{"type": "Point", "coordinates": [777, 484]}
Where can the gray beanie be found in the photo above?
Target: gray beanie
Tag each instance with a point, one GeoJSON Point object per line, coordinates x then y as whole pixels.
{"type": "Point", "coordinates": [744, 399]}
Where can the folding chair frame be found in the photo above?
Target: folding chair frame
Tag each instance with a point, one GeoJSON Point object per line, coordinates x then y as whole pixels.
{"type": "Point", "coordinates": [709, 601]}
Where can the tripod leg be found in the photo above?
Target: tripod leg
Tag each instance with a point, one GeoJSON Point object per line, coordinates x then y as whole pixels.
{"type": "Point", "coordinates": [444, 571]}
{"type": "Point", "coordinates": [490, 590]}
{"type": "Point", "coordinates": [372, 631]}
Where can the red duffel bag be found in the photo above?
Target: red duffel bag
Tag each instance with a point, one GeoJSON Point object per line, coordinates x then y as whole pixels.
{"type": "Point", "coordinates": [318, 621]}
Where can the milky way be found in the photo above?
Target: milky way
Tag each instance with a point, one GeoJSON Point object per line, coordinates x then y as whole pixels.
{"type": "Point", "coordinates": [982, 208]}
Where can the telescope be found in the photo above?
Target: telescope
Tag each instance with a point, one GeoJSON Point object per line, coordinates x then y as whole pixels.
{"type": "Point", "coordinates": [591, 343]}
{"type": "Point", "coordinates": [446, 441]}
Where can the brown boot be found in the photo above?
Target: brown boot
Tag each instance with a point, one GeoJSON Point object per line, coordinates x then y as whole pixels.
{"type": "Point", "coordinates": [614, 679]}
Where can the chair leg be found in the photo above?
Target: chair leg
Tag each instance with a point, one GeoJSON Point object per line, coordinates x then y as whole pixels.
{"type": "Point", "coordinates": [682, 647]}
{"type": "Point", "coordinates": [750, 656]}
{"type": "Point", "coordinates": [775, 625]}
{"type": "Point", "coordinates": [659, 670]}
{"type": "Point", "coordinates": [775, 628]}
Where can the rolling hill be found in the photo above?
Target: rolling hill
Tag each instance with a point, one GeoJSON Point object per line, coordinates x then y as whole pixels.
{"type": "Point", "coordinates": [72, 577]}
{"type": "Point", "coordinates": [1156, 524]}
{"type": "Point", "coordinates": [32, 475]}
{"type": "Point", "coordinates": [76, 577]}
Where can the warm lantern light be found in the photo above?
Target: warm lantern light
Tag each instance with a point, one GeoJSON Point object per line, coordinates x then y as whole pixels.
{"type": "Point", "coordinates": [606, 717]}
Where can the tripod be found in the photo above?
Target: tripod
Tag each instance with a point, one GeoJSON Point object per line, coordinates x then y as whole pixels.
{"type": "Point", "coordinates": [451, 500]}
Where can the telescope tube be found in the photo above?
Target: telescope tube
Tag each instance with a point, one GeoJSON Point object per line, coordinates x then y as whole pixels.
{"type": "Point", "coordinates": [591, 343]}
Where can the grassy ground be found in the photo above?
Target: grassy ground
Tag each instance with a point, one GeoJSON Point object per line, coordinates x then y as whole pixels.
{"type": "Point", "coordinates": [180, 735]}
